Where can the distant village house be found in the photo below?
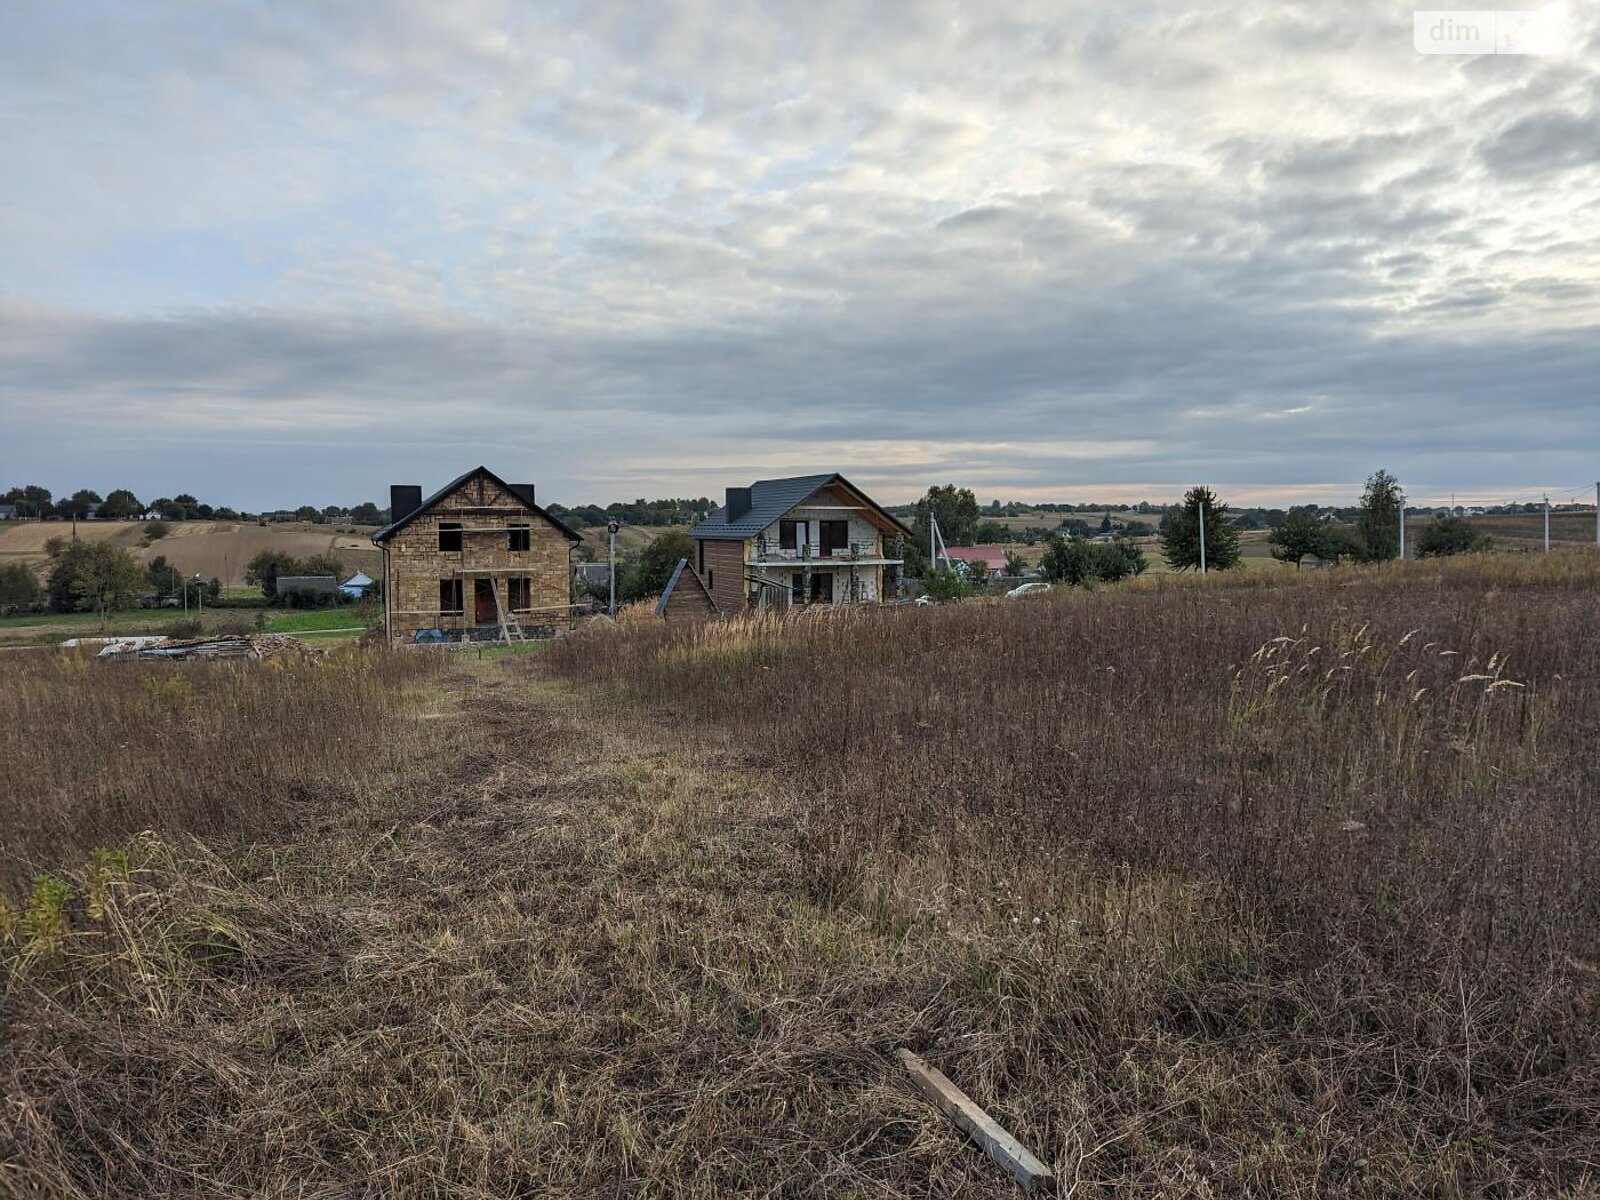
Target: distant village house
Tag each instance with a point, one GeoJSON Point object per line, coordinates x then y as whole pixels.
{"type": "Point", "coordinates": [808, 540]}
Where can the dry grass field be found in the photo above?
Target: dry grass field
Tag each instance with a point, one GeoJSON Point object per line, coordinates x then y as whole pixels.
{"type": "Point", "coordinates": [1262, 886]}
{"type": "Point", "coordinates": [212, 549]}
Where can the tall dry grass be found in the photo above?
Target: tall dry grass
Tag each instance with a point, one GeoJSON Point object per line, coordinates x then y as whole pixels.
{"type": "Point", "coordinates": [1364, 801]}
{"type": "Point", "coordinates": [92, 752]}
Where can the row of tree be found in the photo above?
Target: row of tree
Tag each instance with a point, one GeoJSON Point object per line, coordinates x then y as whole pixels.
{"type": "Point", "coordinates": [86, 576]}
{"type": "Point", "coordinates": [637, 512]}
{"type": "Point", "coordinates": [120, 504]}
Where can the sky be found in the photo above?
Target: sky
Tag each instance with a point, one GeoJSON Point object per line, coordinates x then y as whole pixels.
{"type": "Point", "coordinates": [274, 253]}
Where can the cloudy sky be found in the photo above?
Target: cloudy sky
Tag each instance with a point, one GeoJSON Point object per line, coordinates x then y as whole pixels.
{"type": "Point", "coordinates": [277, 251]}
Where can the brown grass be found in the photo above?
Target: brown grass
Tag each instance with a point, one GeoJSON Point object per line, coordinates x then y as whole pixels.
{"type": "Point", "coordinates": [93, 752]}
{"type": "Point", "coordinates": [1348, 819]}
{"type": "Point", "coordinates": [653, 921]}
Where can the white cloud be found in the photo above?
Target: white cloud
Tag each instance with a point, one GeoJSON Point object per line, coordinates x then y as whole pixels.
{"type": "Point", "coordinates": [913, 236]}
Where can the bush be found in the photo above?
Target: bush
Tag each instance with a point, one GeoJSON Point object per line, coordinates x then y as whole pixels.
{"type": "Point", "coordinates": [943, 585]}
{"type": "Point", "coordinates": [20, 590]}
{"type": "Point", "coordinates": [1070, 561]}
{"type": "Point", "coordinates": [1449, 535]}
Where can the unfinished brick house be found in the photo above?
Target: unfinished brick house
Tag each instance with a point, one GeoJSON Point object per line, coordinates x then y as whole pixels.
{"type": "Point", "coordinates": [808, 540]}
{"type": "Point", "coordinates": [476, 560]}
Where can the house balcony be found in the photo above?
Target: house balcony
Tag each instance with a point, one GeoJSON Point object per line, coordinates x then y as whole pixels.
{"type": "Point", "coordinates": [856, 554]}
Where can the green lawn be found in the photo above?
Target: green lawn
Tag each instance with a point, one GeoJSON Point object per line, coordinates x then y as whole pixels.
{"type": "Point", "coordinates": [308, 619]}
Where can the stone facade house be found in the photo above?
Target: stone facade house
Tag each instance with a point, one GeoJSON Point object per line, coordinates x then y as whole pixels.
{"type": "Point", "coordinates": [478, 559]}
{"type": "Point", "coordinates": [808, 540]}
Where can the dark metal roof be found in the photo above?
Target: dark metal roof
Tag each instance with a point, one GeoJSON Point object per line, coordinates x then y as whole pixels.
{"type": "Point", "coordinates": [521, 492]}
{"type": "Point", "coordinates": [306, 583]}
{"type": "Point", "coordinates": [771, 499]}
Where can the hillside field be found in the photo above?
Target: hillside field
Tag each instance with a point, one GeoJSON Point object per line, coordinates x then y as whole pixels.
{"type": "Point", "coordinates": [1265, 885]}
{"type": "Point", "coordinates": [212, 549]}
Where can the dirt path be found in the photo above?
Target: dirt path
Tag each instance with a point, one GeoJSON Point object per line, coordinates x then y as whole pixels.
{"type": "Point", "coordinates": [578, 961]}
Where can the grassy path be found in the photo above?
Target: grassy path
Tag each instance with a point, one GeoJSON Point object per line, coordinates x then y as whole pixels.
{"type": "Point", "coordinates": [577, 960]}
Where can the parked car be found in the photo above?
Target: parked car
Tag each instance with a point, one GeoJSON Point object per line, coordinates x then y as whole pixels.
{"type": "Point", "coordinates": [1027, 589]}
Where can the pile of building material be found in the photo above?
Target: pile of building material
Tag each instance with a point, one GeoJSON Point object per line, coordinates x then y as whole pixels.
{"type": "Point", "coordinates": [254, 647]}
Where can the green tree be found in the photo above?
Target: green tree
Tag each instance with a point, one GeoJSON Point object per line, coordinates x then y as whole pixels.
{"type": "Point", "coordinates": [1378, 522]}
{"type": "Point", "coordinates": [119, 505]}
{"type": "Point", "coordinates": [169, 509]}
{"type": "Point", "coordinates": [1449, 535]}
{"type": "Point", "coordinates": [1180, 533]}
{"type": "Point", "coordinates": [94, 577]}
{"type": "Point", "coordinates": [263, 571]}
{"type": "Point", "coordinates": [165, 579]}
{"type": "Point", "coordinates": [1074, 562]}
{"type": "Point", "coordinates": [1301, 532]}
{"type": "Point", "coordinates": [366, 514]}
{"type": "Point", "coordinates": [31, 501]}
{"type": "Point", "coordinates": [80, 504]}
{"type": "Point", "coordinates": [942, 585]}
{"type": "Point", "coordinates": [1015, 563]}
{"type": "Point", "coordinates": [646, 573]}
{"type": "Point", "coordinates": [19, 589]}
{"type": "Point", "coordinates": [306, 513]}
{"type": "Point", "coordinates": [956, 510]}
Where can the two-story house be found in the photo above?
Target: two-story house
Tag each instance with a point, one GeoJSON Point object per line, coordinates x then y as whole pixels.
{"type": "Point", "coordinates": [812, 539]}
{"type": "Point", "coordinates": [477, 558]}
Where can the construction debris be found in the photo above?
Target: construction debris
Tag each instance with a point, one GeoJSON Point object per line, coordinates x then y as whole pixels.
{"type": "Point", "coordinates": [253, 647]}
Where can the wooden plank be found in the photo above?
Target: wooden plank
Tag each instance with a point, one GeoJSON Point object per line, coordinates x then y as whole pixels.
{"type": "Point", "coordinates": [1006, 1151]}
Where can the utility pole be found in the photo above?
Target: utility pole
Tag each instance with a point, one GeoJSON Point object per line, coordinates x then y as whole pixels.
{"type": "Point", "coordinates": [1402, 529]}
{"type": "Point", "coordinates": [1547, 524]}
{"type": "Point", "coordinates": [611, 531]}
{"type": "Point", "coordinates": [1200, 506]}
{"type": "Point", "coordinates": [1597, 513]}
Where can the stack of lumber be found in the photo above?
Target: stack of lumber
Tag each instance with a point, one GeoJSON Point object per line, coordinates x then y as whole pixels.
{"type": "Point", "coordinates": [254, 647]}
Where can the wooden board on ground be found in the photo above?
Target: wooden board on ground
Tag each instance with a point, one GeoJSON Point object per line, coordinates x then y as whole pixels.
{"type": "Point", "coordinates": [1009, 1153]}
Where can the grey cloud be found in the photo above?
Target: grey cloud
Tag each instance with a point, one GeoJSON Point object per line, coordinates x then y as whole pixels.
{"type": "Point", "coordinates": [1545, 142]}
{"type": "Point", "coordinates": [779, 233]}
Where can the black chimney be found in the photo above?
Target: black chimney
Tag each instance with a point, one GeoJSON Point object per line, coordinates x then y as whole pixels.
{"type": "Point", "coordinates": [738, 502]}
{"type": "Point", "coordinates": [404, 499]}
{"type": "Point", "coordinates": [524, 492]}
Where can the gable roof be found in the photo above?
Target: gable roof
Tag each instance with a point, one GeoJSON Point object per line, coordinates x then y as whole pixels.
{"type": "Point", "coordinates": [771, 499]}
{"type": "Point", "coordinates": [394, 527]}
{"type": "Point", "coordinates": [696, 583]}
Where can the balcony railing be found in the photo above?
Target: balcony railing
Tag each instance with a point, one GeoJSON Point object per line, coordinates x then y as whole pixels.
{"type": "Point", "coordinates": [857, 552]}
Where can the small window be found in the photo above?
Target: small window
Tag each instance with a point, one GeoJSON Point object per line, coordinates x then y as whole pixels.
{"type": "Point", "coordinates": [449, 535]}
{"type": "Point", "coordinates": [797, 587]}
{"type": "Point", "coordinates": [520, 592]}
{"type": "Point", "coordinates": [791, 535]}
{"type": "Point", "coordinates": [450, 596]}
{"type": "Point", "coordinates": [521, 538]}
{"type": "Point", "coordinates": [711, 579]}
